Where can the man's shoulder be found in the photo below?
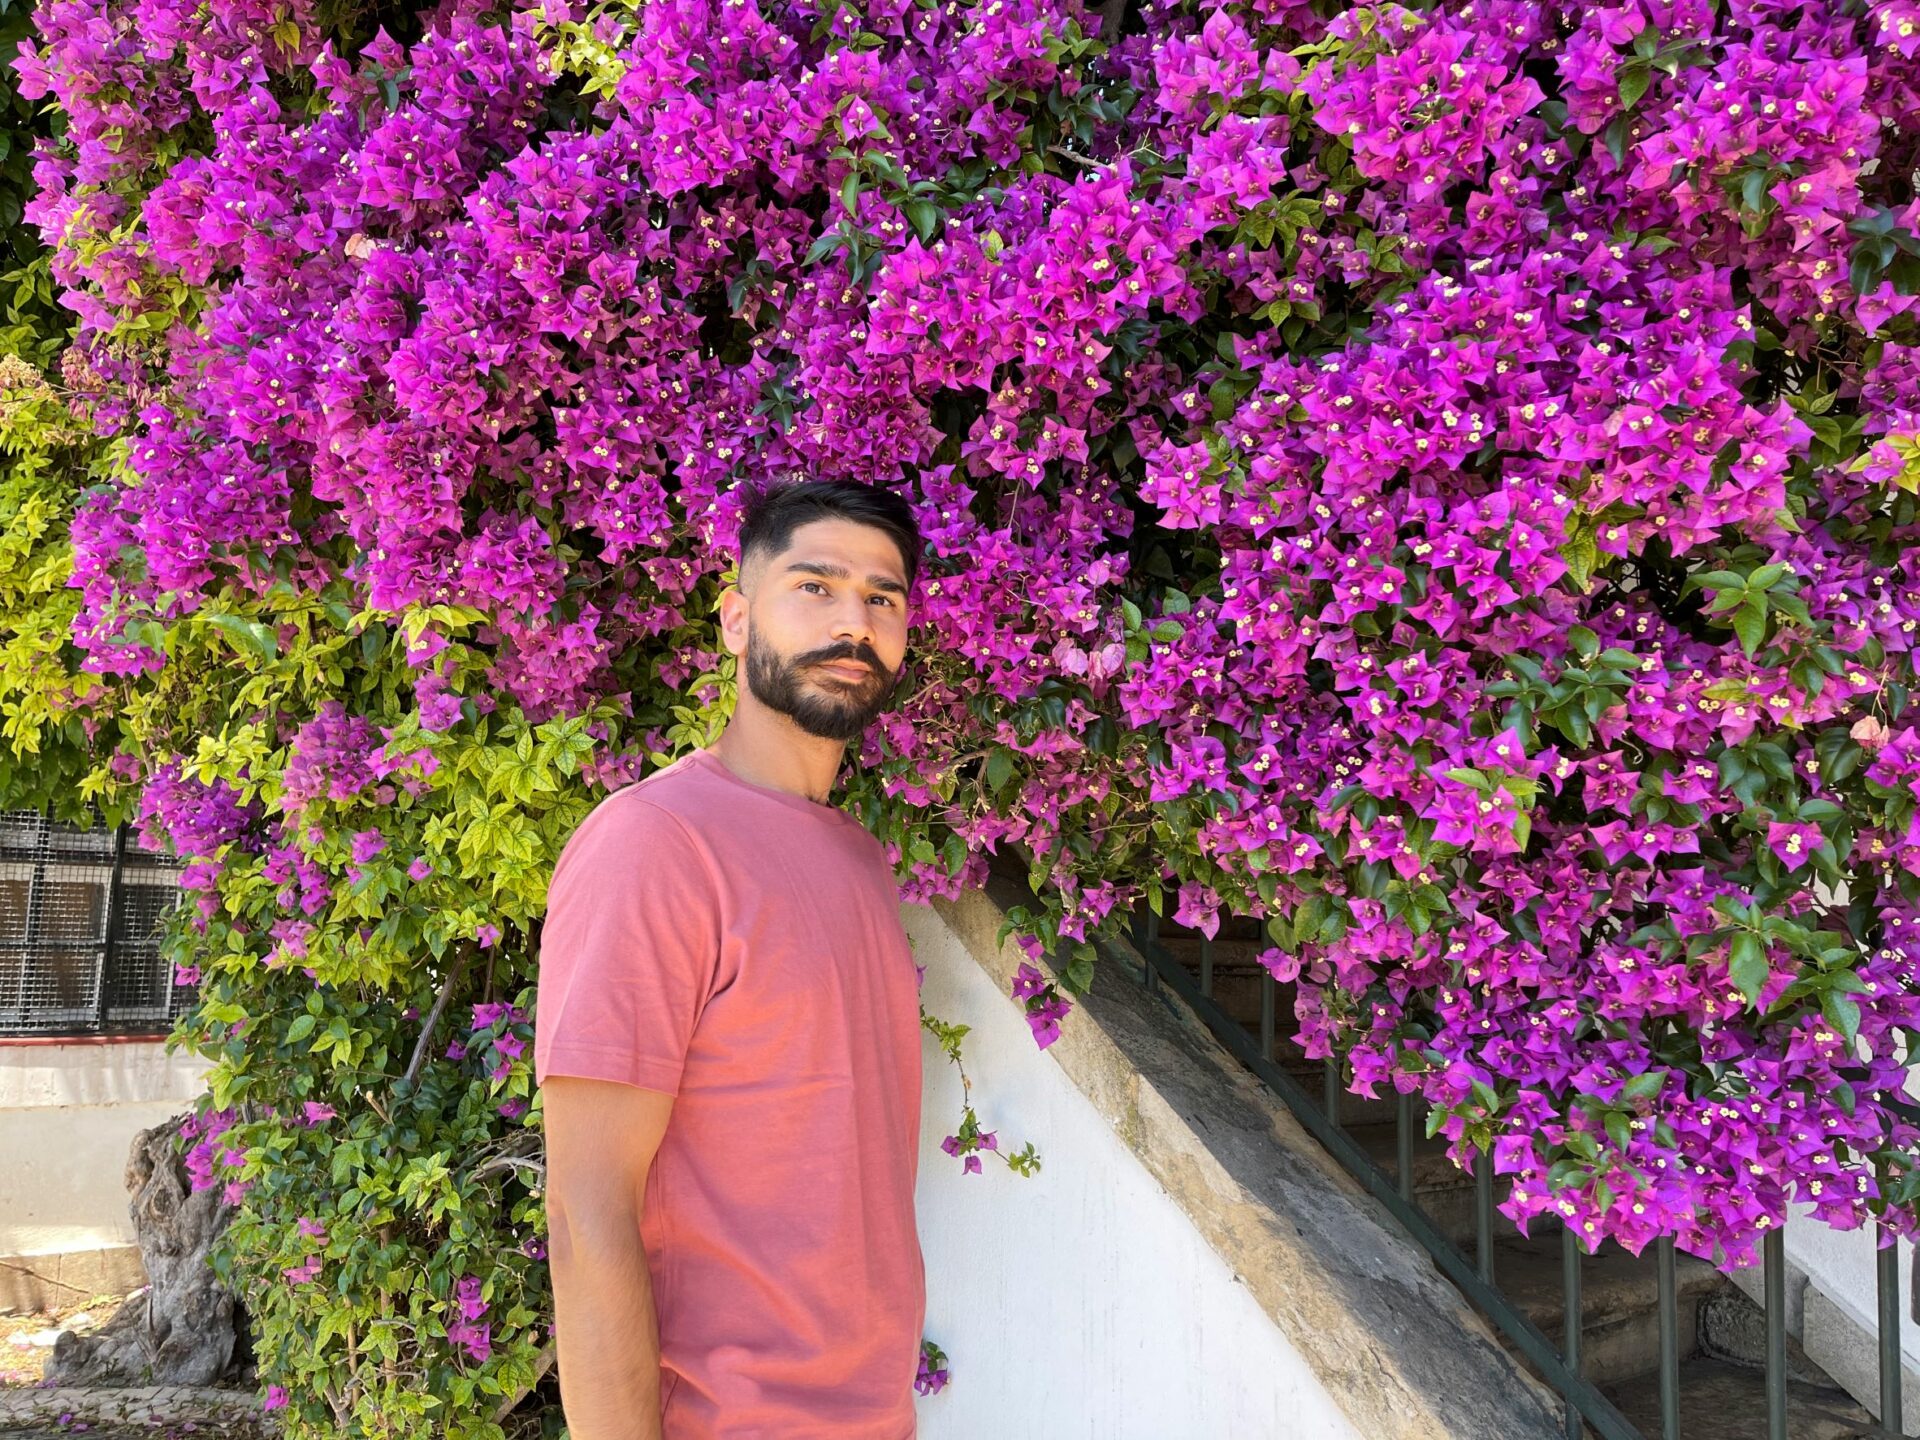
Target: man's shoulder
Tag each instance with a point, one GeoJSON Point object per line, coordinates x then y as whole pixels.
{"type": "Point", "coordinates": [673, 799]}
{"type": "Point", "coordinates": [644, 825]}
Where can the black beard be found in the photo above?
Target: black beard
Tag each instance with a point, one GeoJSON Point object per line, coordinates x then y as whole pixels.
{"type": "Point", "coordinates": [841, 710]}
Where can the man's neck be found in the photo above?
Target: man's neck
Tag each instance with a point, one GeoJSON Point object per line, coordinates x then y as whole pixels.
{"type": "Point", "coordinates": [768, 749]}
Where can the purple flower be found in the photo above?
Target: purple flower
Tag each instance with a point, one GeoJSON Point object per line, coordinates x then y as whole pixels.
{"type": "Point", "coordinates": [932, 1376]}
{"type": "Point", "coordinates": [466, 1332]}
{"type": "Point", "coordinates": [1044, 1017]}
{"type": "Point", "coordinates": [1793, 843]}
{"type": "Point", "coordinates": [466, 1293]}
{"type": "Point", "coordinates": [488, 1014]}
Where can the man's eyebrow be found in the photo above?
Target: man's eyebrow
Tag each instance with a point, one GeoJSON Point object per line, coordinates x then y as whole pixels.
{"type": "Point", "coordinates": [839, 572]}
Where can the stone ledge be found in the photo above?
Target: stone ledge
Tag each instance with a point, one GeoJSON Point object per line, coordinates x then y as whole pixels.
{"type": "Point", "coordinates": [1398, 1348]}
{"type": "Point", "coordinates": [139, 1405]}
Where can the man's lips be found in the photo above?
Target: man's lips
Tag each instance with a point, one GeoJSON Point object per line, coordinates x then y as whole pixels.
{"type": "Point", "coordinates": [847, 669]}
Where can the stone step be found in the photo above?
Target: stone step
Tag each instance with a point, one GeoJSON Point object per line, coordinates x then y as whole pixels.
{"type": "Point", "coordinates": [1237, 983]}
{"type": "Point", "coordinates": [1443, 1191]}
{"type": "Point", "coordinates": [1722, 1401]}
{"type": "Point", "coordinates": [1619, 1303]}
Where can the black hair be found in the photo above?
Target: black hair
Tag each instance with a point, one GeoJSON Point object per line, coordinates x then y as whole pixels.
{"type": "Point", "coordinates": [772, 514]}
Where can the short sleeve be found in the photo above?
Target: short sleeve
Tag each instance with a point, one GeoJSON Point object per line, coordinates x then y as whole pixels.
{"type": "Point", "coordinates": [628, 950]}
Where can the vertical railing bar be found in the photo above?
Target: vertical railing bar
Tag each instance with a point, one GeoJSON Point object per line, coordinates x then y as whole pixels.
{"type": "Point", "coordinates": [1570, 1322]}
{"type": "Point", "coordinates": [22, 1011]}
{"type": "Point", "coordinates": [1483, 1213]}
{"type": "Point", "coordinates": [1669, 1304]}
{"type": "Point", "coordinates": [1206, 967]}
{"type": "Point", "coordinates": [1330, 1088]}
{"type": "Point", "coordinates": [1268, 987]}
{"type": "Point", "coordinates": [1887, 1283]}
{"type": "Point", "coordinates": [1601, 1415]}
{"type": "Point", "coordinates": [1773, 1278]}
{"type": "Point", "coordinates": [1150, 974]}
{"type": "Point", "coordinates": [110, 960]}
{"type": "Point", "coordinates": [1403, 1145]}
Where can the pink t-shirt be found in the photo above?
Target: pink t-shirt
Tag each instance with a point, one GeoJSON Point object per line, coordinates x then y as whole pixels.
{"type": "Point", "coordinates": [740, 948]}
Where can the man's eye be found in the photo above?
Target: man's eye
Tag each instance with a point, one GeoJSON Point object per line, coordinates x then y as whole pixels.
{"type": "Point", "coordinates": [887, 598]}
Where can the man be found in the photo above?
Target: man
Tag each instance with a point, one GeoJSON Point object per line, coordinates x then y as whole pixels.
{"type": "Point", "coordinates": [728, 1034]}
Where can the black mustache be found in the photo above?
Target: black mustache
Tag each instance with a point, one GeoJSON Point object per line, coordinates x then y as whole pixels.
{"type": "Point", "coordinates": [868, 659]}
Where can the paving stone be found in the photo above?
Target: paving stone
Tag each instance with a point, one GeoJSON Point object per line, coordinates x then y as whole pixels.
{"type": "Point", "coordinates": [1719, 1401]}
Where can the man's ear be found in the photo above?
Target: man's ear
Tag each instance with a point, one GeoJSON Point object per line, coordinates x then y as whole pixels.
{"type": "Point", "coordinates": [733, 620]}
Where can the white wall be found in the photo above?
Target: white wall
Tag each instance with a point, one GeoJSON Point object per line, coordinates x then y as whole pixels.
{"type": "Point", "coordinates": [68, 1115]}
{"type": "Point", "coordinates": [1079, 1302]}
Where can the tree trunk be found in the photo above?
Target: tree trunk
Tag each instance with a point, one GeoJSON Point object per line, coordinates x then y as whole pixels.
{"type": "Point", "coordinates": [185, 1329]}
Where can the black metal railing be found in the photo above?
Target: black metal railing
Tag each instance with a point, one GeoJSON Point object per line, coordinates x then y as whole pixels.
{"type": "Point", "coordinates": [1588, 1411]}
{"type": "Point", "coordinates": [79, 912]}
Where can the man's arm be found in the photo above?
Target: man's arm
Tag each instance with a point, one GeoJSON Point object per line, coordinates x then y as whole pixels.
{"type": "Point", "coordinates": [601, 1139]}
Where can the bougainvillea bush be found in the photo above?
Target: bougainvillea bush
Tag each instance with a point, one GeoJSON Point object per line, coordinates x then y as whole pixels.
{"type": "Point", "coordinates": [1438, 482]}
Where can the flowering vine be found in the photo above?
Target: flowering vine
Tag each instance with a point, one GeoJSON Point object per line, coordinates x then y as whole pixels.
{"type": "Point", "coordinates": [1440, 483]}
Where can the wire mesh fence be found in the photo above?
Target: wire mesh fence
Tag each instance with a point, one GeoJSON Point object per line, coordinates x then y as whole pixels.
{"type": "Point", "coordinates": [80, 912]}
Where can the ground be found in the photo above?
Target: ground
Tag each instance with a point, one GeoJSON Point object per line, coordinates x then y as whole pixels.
{"type": "Point", "coordinates": [22, 1362]}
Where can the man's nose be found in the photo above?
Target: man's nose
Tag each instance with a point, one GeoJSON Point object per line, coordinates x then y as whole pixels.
{"type": "Point", "coordinates": [853, 621]}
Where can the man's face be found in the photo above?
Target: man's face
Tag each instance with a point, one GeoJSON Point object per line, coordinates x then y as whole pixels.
{"type": "Point", "coordinates": [826, 627]}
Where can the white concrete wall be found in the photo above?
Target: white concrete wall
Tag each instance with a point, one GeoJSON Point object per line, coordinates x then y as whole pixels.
{"type": "Point", "coordinates": [1838, 1320]}
{"type": "Point", "coordinates": [1079, 1302]}
{"type": "Point", "coordinates": [1833, 1302]}
{"type": "Point", "coordinates": [68, 1115]}
{"type": "Point", "coordinates": [1833, 1307]}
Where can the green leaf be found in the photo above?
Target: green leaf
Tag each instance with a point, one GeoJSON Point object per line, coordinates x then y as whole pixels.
{"type": "Point", "coordinates": [1750, 623]}
{"type": "Point", "coordinates": [1615, 138]}
{"type": "Point", "coordinates": [829, 242]}
{"type": "Point", "coordinates": [249, 637]}
{"type": "Point", "coordinates": [1646, 1086]}
{"type": "Point", "coordinates": [999, 767]}
{"type": "Point", "coordinates": [1748, 965]}
{"type": "Point", "coordinates": [1580, 550]}
{"type": "Point", "coordinates": [924, 216]}
{"type": "Point", "coordinates": [1842, 1012]}
{"type": "Point", "coordinates": [1079, 976]}
{"type": "Point", "coordinates": [1634, 80]}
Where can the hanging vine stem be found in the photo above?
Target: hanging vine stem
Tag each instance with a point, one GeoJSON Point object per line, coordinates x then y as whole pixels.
{"type": "Point", "coordinates": [433, 1016]}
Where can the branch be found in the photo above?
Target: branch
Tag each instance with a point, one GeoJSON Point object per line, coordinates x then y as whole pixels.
{"type": "Point", "coordinates": [1078, 158]}
{"type": "Point", "coordinates": [542, 1363]}
{"type": "Point", "coordinates": [433, 1016]}
{"type": "Point", "coordinates": [511, 1162]}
